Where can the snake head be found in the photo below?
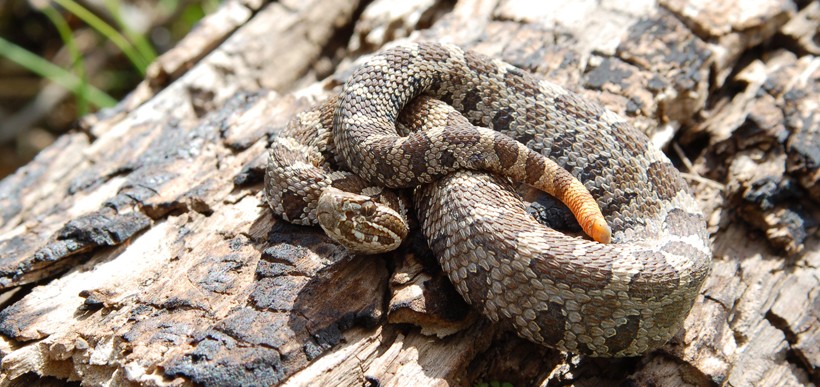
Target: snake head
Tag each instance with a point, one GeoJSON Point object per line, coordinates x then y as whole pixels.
{"type": "Point", "coordinates": [360, 222]}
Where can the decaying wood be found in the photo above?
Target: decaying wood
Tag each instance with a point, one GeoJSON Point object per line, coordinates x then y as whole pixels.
{"type": "Point", "coordinates": [138, 249]}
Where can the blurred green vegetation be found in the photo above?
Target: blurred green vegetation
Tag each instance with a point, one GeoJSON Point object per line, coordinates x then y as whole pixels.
{"type": "Point", "coordinates": [61, 59]}
{"type": "Point", "coordinates": [494, 383]}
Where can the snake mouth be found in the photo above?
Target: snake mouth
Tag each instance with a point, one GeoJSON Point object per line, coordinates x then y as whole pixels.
{"type": "Point", "coordinates": [364, 237]}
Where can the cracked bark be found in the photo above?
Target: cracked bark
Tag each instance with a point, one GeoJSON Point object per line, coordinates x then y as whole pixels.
{"type": "Point", "coordinates": [138, 250]}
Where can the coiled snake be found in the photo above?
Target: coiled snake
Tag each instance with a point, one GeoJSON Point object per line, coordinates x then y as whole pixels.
{"type": "Point", "coordinates": [577, 295]}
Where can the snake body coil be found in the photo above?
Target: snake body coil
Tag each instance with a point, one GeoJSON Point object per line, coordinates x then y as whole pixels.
{"type": "Point", "coordinates": [618, 299]}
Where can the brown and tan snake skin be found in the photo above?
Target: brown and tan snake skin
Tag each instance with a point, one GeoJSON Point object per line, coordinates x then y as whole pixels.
{"type": "Point", "coordinates": [581, 296]}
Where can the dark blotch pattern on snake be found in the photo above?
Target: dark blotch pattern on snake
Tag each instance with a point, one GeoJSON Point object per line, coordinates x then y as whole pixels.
{"type": "Point", "coordinates": [618, 299]}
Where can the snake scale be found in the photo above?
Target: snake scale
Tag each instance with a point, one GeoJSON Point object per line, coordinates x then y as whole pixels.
{"type": "Point", "coordinates": [573, 294]}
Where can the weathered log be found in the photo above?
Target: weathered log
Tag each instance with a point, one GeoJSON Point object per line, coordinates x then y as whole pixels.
{"type": "Point", "coordinates": [138, 249]}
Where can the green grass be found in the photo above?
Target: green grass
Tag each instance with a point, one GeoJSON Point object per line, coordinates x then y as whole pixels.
{"type": "Point", "coordinates": [494, 384]}
{"type": "Point", "coordinates": [141, 44]}
{"type": "Point", "coordinates": [77, 63]}
{"type": "Point", "coordinates": [135, 47]}
{"type": "Point", "coordinates": [54, 73]}
{"type": "Point", "coordinates": [139, 58]}
{"type": "Point", "coordinates": [140, 53]}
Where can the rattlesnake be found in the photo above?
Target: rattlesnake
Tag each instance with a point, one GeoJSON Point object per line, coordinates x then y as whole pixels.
{"type": "Point", "coordinates": [619, 299]}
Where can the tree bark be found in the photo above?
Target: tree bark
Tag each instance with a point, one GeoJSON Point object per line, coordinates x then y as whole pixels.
{"type": "Point", "coordinates": [138, 249]}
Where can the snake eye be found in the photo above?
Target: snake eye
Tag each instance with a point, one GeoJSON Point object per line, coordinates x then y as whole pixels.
{"type": "Point", "coordinates": [368, 208]}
